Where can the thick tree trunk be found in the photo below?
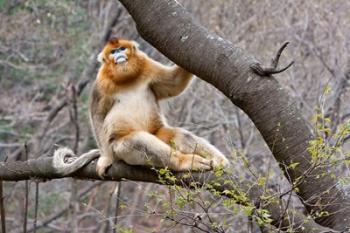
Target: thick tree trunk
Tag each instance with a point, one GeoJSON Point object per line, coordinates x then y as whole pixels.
{"type": "Point", "coordinates": [169, 27]}
{"type": "Point", "coordinates": [42, 169]}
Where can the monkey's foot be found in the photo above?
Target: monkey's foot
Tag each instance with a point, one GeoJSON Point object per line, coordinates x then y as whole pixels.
{"type": "Point", "coordinates": [220, 162]}
{"type": "Point", "coordinates": [185, 162]}
{"type": "Point", "coordinates": [103, 164]}
{"type": "Point", "coordinates": [259, 70]}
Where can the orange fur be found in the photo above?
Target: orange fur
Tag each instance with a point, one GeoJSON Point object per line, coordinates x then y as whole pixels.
{"type": "Point", "coordinates": [165, 134]}
{"type": "Point", "coordinates": [113, 77]}
{"type": "Point", "coordinates": [182, 158]}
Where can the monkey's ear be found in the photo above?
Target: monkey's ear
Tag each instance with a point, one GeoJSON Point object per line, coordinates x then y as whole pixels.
{"type": "Point", "coordinates": [100, 58]}
{"type": "Point", "coordinates": [135, 45]}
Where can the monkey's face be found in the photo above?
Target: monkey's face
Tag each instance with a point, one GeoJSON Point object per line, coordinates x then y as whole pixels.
{"type": "Point", "coordinates": [119, 55]}
{"type": "Point", "coordinates": [122, 61]}
{"type": "Point", "coordinates": [118, 52]}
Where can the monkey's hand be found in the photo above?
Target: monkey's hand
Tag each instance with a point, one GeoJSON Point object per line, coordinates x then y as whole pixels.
{"type": "Point", "coordinates": [65, 162]}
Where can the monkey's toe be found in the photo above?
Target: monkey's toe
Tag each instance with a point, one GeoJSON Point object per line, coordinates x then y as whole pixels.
{"type": "Point", "coordinates": [198, 163]}
{"type": "Point", "coordinates": [102, 166]}
{"type": "Point", "coordinates": [101, 171]}
{"type": "Point", "coordinates": [221, 162]}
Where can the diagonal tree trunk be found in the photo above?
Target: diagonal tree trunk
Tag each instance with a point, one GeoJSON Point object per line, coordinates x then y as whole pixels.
{"type": "Point", "coordinates": [170, 28]}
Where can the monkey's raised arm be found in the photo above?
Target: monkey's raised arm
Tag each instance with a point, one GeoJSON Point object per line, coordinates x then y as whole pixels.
{"type": "Point", "coordinates": [169, 81]}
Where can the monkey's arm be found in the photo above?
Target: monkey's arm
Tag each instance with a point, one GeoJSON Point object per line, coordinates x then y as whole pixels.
{"type": "Point", "coordinates": [169, 81]}
{"type": "Point", "coordinates": [99, 106]}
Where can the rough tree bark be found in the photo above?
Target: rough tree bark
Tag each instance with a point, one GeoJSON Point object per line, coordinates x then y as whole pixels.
{"type": "Point", "coordinates": [280, 212]}
{"type": "Point", "coordinates": [170, 28]}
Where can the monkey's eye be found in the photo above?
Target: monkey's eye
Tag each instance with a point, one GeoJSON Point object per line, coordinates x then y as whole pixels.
{"type": "Point", "coordinates": [117, 50]}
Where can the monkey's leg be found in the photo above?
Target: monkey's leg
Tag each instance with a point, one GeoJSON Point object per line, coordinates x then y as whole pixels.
{"type": "Point", "coordinates": [142, 148]}
{"type": "Point", "coordinates": [186, 142]}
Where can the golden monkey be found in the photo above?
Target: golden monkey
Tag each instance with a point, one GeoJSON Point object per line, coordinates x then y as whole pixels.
{"type": "Point", "coordinates": [126, 118]}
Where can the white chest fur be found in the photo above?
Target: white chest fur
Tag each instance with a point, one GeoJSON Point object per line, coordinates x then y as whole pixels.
{"type": "Point", "coordinates": [135, 98]}
{"type": "Point", "coordinates": [136, 107]}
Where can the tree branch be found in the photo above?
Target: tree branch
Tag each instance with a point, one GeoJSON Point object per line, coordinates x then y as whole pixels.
{"type": "Point", "coordinates": [170, 28]}
{"type": "Point", "coordinates": [42, 169]}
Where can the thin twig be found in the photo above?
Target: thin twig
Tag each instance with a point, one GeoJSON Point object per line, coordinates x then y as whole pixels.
{"type": "Point", "coordinates": [192, 225]}
{"type": "Point", "coordinates": [74, 118]}
{"type": "Point", "coordinates": [2, 210]}
{"type": "Point", "coordinates": [2, 207]}
{"type": "Point", "coordinates": [108, 224]}
{"type": "Point", "coordinates": [117, 204]}
{"type": "Point", "coordinates": [26, 187]}
{"type": "Point", "coordinates": [275, 60]}
{"type": "Point", "coordinates": [36, 205]}
{"type": "Point", "coordinates": [284, 212]}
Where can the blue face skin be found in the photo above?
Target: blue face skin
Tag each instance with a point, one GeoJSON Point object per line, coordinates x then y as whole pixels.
{"type": "Point", "coordinates": [119, 55]}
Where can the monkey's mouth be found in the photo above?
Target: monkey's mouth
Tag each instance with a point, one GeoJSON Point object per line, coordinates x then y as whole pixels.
{"type": "Point", "coordinates": [120, 59]}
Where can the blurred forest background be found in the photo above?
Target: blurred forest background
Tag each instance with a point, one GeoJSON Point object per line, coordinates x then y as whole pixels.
{"type": "Point", "coordinates": [48, 52]}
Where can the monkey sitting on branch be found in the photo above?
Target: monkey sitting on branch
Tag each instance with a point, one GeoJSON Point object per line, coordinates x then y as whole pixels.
{"type": "Point", "coordinates": [126, 118]}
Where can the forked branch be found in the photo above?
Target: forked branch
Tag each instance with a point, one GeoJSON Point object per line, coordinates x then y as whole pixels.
{"type": "Point", "coordinates": [273, 69]}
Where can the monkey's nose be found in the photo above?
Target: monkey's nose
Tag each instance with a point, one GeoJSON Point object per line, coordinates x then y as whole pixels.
{"type": "Point", "coordinates": [120, 59]}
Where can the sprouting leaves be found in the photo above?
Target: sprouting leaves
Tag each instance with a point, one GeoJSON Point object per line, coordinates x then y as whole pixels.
{"type": "Point", "coordinates": [165, 176]}
{"type": "Point", "coordinates": [262, 181]}
{"type": "Point", "coordinates": [292, 166]}
{"type": "Point", "coordinates": [263, 217]}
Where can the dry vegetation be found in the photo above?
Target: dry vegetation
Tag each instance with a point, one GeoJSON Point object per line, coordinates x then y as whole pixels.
{"type": "Point", "coordinates": [46, 49]}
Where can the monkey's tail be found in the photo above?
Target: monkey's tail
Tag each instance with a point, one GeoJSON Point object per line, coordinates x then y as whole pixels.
{"type": "Point", "coordinates": [65, 162]}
